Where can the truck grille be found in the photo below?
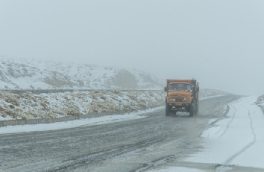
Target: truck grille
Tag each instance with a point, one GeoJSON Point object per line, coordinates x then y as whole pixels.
{"type": "Point", "coordinates": [179, 99]}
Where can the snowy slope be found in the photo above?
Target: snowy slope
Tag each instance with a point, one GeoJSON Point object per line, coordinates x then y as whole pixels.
{"type": "Point", "coordinates": [30, 74]}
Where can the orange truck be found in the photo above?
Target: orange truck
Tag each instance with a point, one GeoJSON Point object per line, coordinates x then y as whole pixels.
{"type": "Point", "coordinates": [182, 96]}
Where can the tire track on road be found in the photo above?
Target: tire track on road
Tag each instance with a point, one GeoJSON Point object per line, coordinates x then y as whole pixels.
{"type": "Point", "coordinates": [230, 122]}
{"type": "Point", "coordinates": [154, 163]}
{"type": "Point", "coordinates": [100, 156]}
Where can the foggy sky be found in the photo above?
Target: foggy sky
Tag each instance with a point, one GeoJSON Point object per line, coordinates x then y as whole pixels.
{"type": "Point", "coordinates": [221, 43]}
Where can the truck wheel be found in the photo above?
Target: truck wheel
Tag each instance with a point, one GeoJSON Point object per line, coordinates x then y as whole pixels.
{"type": "Point", "coordinates": [167, 111]}
{"type": "Point", "coordinates": [197, 109]}
{"type": "Point", "coordinates": [192, 110]}
{"type": "Point", "coordinates": [191, 113]}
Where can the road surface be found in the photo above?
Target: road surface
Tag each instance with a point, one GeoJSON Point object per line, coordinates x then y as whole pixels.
{"type": "Point", "coordinates": [131, 146]}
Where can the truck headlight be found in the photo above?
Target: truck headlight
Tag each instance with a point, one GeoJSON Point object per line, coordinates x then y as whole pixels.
{"type": "Point", "coordinates": [171, 100]}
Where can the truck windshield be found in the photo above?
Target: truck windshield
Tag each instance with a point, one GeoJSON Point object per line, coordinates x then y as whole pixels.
{"type": "Point", "coordinates": [180, 86]}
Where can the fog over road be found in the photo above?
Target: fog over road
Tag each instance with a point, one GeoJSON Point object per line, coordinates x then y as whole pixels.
{"type": "Point", "coordinates": [171, 39]}
{"type": "Point", "coordinates": [136, 145]}
{"type": "Point", "coordinates": [88, 58]}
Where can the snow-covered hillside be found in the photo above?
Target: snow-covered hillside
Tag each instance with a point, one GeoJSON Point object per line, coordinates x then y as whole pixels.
{"type": "Point", "coordinates": [28, 74]}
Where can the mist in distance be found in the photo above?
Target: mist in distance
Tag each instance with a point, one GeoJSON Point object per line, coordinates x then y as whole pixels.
{"type": "Point", "coordinates": [220, 43]}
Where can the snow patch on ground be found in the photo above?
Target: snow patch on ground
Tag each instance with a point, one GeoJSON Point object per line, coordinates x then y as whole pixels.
{"type": "Point", "coordinates": [176, 169]}
{"type": "Point", "coordinates": [77, 123]}
{"type": "Point", "coordinates": [5, 118]}
{"type": "Point", "coordinates": [236, 140]}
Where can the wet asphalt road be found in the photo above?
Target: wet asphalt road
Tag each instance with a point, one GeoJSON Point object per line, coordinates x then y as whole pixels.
{"type": "Point", "coordinates": [131, 146]}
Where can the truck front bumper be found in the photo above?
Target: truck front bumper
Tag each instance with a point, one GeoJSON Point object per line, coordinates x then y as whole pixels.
{"type": "Point", "coordinates": [180, 106]}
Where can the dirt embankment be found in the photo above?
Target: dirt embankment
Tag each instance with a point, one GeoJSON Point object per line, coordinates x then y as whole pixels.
{"type": "Point", "coordinates": [56, 105]}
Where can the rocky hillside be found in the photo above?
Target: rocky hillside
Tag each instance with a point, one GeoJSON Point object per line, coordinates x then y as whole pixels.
{"type": "Point", "coordinates": [25, 74]}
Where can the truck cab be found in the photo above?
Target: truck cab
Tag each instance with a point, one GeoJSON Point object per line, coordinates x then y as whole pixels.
{"type": "Point", "coordinates": [182, 96]}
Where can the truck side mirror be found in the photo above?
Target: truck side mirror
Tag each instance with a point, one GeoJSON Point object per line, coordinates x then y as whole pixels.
{"type": "Point", "coordinates": [166, 89]}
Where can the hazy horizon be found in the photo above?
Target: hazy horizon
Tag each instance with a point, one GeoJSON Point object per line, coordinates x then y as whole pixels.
{"type": "Point", "coordinates": [217, 42]}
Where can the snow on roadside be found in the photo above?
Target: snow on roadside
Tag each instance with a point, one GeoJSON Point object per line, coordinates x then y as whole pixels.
{"type": "Point", "coordinates": [77, 123]}
{"type": "Point", "coordinates": [6, 118]}
{"type": "Point", "coordinates": [175, 169]}
{"type": "Point", "coordinates": [236, 140]}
